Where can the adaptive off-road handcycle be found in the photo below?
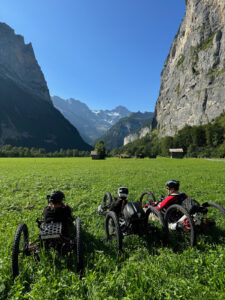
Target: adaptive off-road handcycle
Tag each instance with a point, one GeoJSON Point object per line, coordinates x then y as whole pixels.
{"type": "Point", "coordinates": [50, 236]}
{"type": "Point", "coordinates": [132, 220]}
{"type": "Point", "coordinates": [184, 218]}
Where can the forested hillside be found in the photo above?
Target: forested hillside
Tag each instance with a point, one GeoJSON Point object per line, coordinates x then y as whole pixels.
{"type": "Point", "coordinates": [197, 141]}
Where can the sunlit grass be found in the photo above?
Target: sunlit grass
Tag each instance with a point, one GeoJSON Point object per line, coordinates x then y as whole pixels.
{"type": "Point", "coordinates": [143, 271]}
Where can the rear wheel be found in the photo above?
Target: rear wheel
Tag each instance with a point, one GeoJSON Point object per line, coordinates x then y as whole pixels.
{"type": "Point", "coordinates": [107, 200]}
{"type": "Point", "coordinates": [156, 226]}
{"type": "Point", "coordinates": [147, 198]}
{"type": "Point", "coordinates": [180, 226]}
{"type": "Point", "coordinates": [79, 249]}
{"type": "Point", "coordinates": [112, 230]}
{"type": "Point", "coordinates": [19, 248]}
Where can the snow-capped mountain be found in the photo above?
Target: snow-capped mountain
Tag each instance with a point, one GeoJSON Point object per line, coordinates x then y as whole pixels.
{"type": "Point", "coordinates": [91, 123]}
{"type": "Point", "coordinates": [112, 116]}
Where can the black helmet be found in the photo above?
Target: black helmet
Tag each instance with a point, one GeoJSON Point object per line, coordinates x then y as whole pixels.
{"type": "Point", "coordinates": [123, 192]}
{"type": "Point", "coordinates": [173, 184]}
{"type": "Point", "coordinates": [56, 197]}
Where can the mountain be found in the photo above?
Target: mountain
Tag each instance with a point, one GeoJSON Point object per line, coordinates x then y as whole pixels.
{"type": "Point", "coordinates": [192, 88]}
{"type": "Point", "coordinates": [192, 81]}
{"type": "Point", "coordinates": [91, 123]}
{"type": "Point", "coordinates": [142, 131]}
{"type": "Point", "coordinates": [196, 141]}
{"type": "Point", "coordinates": [27, 116]}
{"type": "Point", "coordinates": [114, 137]}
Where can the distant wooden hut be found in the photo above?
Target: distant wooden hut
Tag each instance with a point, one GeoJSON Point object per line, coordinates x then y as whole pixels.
{"type": "Point", "coordinates": [95, 155]}
{"type": "Point", "coordinates": [125, 155]}
{"type": "Point", "coordinates": [176, 153]}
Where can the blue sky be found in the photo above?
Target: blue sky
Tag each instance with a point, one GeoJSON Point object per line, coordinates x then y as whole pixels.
{"type": "Point", "coordinates": [102, 52]}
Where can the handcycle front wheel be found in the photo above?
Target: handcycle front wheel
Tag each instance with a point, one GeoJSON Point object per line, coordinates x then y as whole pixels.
{"type": "Point", "coordinates": [215, 215]}
{"type": "Point", "coordinates": [107, 200]}
{"type": "Point", "coordinates": [215, 205]}
{"type": "Point", "coordinates": [112, 230]}
{"type": "Point", "coordinates": [19, 248]}
{"type": "Point", "coordinates": [180, 226]}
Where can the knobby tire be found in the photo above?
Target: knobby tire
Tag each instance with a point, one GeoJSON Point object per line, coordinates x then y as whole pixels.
{"type": "Point", "coordinates": [16, 251]}
{"type": "Point", "coordinates": [118, 234]}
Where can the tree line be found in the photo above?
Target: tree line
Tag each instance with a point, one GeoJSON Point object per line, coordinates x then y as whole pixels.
{"type": "Point", "coordinates": [197, 141]}
{"type": "Point", "coordinates": [13, 151]}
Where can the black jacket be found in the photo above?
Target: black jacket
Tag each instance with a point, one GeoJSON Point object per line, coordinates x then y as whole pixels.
{"type": "Point", "coordinates": [61, 214]}
{"type": "Point", "coordinates": [57, 214]}
{"type": "Point", "coordinates": [118, 205]}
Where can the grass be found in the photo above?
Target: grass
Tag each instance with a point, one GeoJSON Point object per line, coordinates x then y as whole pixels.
{"type": "Point", "coordinates": [181, 60]}
{"type": "Point", "coordinates": [207, 43]}
{"type": "Point", "coordinates": [178, 89]}
{"type": "Point", "coordinates": [144, 270]}
{"type": "Point", "coordinates": [216, 72]}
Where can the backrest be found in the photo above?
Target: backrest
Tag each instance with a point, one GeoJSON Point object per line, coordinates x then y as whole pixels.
{"type": "Point", "coordinates": [50, 230]}
{"type": "Point", "coordinates": [190, 204]}
{"type": "Point", "coordinates": [178, 199]}
{"type": "Point", "coordinates": [133, 211]}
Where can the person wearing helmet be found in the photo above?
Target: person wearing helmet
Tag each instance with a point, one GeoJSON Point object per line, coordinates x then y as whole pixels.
{"type": "Point", "coordinates": [174, 195]}
{"type": "Point", "coordinates": [57, 211]}
{"type": "Point", "coordinates": [118, 205]}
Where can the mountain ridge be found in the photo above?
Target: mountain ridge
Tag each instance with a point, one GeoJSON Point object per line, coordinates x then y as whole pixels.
{"type": "Point", "coordinates": [27, 115]}
{"type": "Point", "coordinates": [91, 123]}
{"type": "Point", "coordinates": [114, 137]}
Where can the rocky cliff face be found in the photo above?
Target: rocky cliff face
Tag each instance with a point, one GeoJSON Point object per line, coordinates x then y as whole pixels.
{"type": "Point", "coordinates": [114, 137]}
{"type": "Point", "coordinates": [27, 116]}
{"type": "Point", "coordinates": [18, 63]}
{"type": "Point", "coordinates": [137, 135]}
{"type": "Point", "coordinates": [193, 79]}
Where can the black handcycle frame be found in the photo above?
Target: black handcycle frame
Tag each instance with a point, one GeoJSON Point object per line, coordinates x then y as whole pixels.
{"type": "Point", "coordinates": [50, 236]}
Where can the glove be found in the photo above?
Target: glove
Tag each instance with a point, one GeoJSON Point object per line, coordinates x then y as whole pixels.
{"type": "Point", "coordinates": [100, 210]}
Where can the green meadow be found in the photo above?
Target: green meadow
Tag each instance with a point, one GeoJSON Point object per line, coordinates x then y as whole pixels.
{"type": "Point", "coordinates": [145, 269]}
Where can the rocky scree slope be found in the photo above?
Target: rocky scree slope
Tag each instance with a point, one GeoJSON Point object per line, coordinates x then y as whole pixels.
{"type": "Point", "coordinates": [193, 78]}
{"type": "Point", "coordinates": [27, 116]}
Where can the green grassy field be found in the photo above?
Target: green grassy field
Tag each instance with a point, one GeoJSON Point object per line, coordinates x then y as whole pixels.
{"type": "Point", "coordinates": [144, 270]}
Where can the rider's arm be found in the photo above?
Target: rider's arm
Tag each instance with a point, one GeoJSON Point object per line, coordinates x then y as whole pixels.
{"type": "Point", "coordinates": [166, 201]}
{"type": "Point", "coordinates": [116, 206]}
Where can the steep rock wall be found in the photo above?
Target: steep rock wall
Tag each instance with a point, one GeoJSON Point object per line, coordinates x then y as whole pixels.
{"type": "Point", "coordinates": [27, 116]}
{"type": "Point", "coordinates": [193, 78]}
{"type": "Point", "coordinates": [18, 63]}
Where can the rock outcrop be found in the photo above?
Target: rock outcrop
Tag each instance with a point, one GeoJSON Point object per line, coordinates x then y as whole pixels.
{"type": "Point", "coordinates": [193, 78]}
{"type": "Point", "coordinates": [114, 137]}
{"type": "Point", "coordinates": [27, 116]}
{"type": "Point", "coordinates": [18, 63]}
{"type": "Point", "coordinates": [138, 134]}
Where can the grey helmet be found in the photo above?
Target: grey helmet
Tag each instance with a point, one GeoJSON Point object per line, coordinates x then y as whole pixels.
{"type": "Point", "coordinates": [123, 192]}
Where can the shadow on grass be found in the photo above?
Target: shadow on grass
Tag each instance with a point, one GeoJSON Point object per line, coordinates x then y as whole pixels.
{"type": "Point", "coordinates": [210, 236]}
